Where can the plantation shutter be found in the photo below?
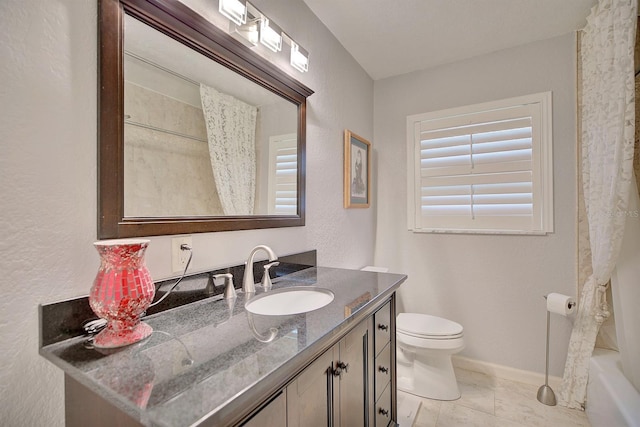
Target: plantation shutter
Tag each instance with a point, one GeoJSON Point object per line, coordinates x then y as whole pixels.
{"type": "Point", "coordinates": [479, 171]}
{"type": "Point", "coordinates": [283, 175]}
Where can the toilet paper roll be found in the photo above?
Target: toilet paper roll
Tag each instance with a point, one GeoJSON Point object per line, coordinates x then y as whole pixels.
{"type": "Point", "coordinates": [561, 304]}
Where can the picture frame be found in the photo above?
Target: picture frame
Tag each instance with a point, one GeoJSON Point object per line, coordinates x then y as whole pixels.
{"type": "Point", "coordinates": [357, 171]}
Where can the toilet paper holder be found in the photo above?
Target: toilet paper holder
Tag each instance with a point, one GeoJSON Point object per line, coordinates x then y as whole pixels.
{"type": "Point", "coordinates": [545, 393]}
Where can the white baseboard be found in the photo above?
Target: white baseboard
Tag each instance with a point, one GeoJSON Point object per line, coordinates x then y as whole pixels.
{"type": "Point", "coordinates": [505, 372]}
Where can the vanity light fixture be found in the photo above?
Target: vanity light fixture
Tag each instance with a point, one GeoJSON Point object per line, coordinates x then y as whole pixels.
{"type": "Point", "coordinates": [250, 26]}
{"type": "Point", "coordinates": [247, 33]}
{"type": "Point", "coordinates": [270, 34]}
{"type": "Point", "coordinates": [235, 10]}
{"type": "Point", "coordinates": [299, 57]}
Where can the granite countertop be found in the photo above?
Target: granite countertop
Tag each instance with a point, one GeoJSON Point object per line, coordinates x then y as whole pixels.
{"type": "Point", "coordinates": [212, 360]}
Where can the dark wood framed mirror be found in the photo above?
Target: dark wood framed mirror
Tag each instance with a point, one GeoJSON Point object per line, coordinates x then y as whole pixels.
{"type": "Point", "coordinates": [181, 27]}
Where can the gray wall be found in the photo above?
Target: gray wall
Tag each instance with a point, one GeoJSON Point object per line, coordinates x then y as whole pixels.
{"type": "Point", "coordinates": [492, 284]}
{"type": "Point", "coordinates": [48, 170]}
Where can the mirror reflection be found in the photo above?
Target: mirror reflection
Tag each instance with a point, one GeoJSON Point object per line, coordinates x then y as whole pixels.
{"type": "Point", "coordinates": [199, 139]}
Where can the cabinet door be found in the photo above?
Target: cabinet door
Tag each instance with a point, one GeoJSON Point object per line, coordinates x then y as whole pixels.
{"type": "Point", "coordinates": [310, 395]}
{"type": "Point", "coordinates": [274, 414]}
{"type": "Point", "coordinates": [354, 377]}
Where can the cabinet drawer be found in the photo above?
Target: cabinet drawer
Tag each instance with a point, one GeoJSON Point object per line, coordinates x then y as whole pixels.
{"type": "Point", "coordinates": [382, 325]}
{"type": "Point", "coordinates": [383, 408]}
{"type": "Point", "coordinates": [383, 370]}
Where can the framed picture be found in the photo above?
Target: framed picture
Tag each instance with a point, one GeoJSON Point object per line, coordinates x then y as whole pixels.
{"type": "Point", "coordinates": [357, 171]}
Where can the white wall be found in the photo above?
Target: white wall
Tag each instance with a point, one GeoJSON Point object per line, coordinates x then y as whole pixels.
{"type": "Point", "coordinates": [48, 171]}
{"type": "Point", "coordinates": [492, 285]}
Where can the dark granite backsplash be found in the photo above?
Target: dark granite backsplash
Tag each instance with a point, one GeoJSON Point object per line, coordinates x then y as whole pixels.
{"type": "Point", "coordinates": [63, 320]}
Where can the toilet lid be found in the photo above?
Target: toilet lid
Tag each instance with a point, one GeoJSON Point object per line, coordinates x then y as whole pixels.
{"type": "Point", "coordinates": [426, 325]}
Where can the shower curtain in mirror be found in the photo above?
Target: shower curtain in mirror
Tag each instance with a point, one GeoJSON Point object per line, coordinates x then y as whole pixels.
{"type": "Point", "coordinates": [607, 122]}
{"type": "Point", "coordinates": [231, 128]}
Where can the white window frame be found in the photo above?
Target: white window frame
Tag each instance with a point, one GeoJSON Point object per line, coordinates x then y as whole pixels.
{"type": "Point", "coordinates": [540, 107]}
{"type": "Point", "coordinates": [276, 143]}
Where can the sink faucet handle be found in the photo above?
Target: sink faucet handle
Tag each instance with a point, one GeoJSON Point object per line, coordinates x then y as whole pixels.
{"type": "Point", "coordinates": [266, 279]}
{"type": "Point", "coordinates": [229, 290]}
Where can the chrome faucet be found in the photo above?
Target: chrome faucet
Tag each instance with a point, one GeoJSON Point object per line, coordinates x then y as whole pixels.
{"type": "Point", "coordinates": [248, 284]}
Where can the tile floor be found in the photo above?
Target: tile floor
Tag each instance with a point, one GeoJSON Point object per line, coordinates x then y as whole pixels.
{"type": "Point", "coordinates": [488, 401]}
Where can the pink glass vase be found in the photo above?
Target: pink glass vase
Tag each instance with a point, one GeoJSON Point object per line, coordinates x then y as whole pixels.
{"type": "Point", "coordinates": [121, 292]}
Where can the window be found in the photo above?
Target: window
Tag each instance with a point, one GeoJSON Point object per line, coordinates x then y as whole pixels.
{"type": "Point", "coordinates": [283, 174]}
{"type": "Point", "coordinates": [484, 168]}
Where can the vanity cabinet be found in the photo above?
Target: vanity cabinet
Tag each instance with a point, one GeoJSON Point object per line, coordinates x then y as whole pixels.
{"type": "Point", "coordinates": [352, 383]}
{"type": "Point", "coordinates": [333, 390]}
{"type": "Point", "coordinates": [335, 368]}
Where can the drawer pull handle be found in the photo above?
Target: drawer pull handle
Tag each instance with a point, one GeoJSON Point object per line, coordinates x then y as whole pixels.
{"type": "Point", "coordinates": [343, 366]}
{"type": "Point", "coordinates": [383, 411]}
{"type": "Point", "coordinates": [383, 327]}
{"type": "Point", "coordinates": [383, 369]}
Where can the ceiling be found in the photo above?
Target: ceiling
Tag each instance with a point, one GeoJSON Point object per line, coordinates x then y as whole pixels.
{"type": "Point", "coordinates": [392, 37]}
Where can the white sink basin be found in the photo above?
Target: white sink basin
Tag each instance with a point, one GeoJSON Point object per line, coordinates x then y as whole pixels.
{"type": "Point", "coordinates": [295, 300]}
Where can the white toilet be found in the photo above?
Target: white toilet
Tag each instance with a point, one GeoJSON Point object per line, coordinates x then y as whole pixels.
{"type": "Point", "coordinates": [425, 345]}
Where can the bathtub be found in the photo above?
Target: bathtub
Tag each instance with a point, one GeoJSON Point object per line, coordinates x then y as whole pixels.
{"type": "Point", "coordinates": [611, 399]}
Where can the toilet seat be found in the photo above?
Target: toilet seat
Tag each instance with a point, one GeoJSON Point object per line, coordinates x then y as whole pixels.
{"type": "Point", "coordinates": [425, 326]}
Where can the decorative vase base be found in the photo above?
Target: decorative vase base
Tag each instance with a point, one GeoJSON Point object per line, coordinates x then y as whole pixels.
{"type": "Point", "coordinates": [112, 338]}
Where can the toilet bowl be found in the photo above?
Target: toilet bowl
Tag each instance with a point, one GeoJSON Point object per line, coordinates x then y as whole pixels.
{"type": "Point", "coordinates": [425, 345]}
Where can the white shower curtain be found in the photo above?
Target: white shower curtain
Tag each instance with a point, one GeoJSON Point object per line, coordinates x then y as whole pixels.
{"type": "Point", "coordinates": [608, 115]}
{"type": "Point", "coordinates": [231, 128]}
